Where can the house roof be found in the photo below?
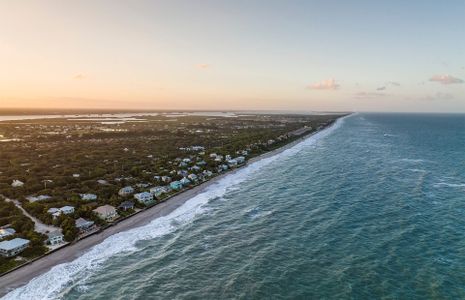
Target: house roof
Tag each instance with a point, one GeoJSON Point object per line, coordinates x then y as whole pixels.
{"type": "Point", "coordinates": [7, 231]}
{"type": "Point", "coordinates": [127, 204]}
{"type": "Point", "coordinates": [105, 209]}
{"type": "Point", "coordinates": [54, 234]}
{"type": "Point", "coordinates": [13, 244]}
{"type": "Point", "coordinates": [83, 222]}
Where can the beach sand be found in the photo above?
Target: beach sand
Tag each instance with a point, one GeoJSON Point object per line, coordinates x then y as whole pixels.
{"type": "Point", "coordinates": [23, 275]}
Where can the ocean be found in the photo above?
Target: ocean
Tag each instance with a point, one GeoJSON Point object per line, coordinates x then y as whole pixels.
{"type": "Point", "coordinates": [371, 208]}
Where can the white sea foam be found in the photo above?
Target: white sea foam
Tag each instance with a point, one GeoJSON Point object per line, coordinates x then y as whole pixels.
{"type": "Point", "coordinates": [447, 184]}
{"type": "Point", "coordinates": [59, 279]}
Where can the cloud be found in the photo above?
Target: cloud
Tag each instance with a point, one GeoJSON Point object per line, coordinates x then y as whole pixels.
{"type": "Point", "coordinates": [445, 79]}
{"type": "Point", "coordinates": [203, 66]}
{"type": "Point", "coordinates": [439, 96]}
{"type": "Point", "coordinates": [368, 95]}
{"type": "Point", "coordinates": [432, 97]}
{"type": "Point", "coordinates": [389, 83]}
{"type": "Point", "coordinates": [79, 77]}
{"type": "Point", "coordinates": [329, 84]}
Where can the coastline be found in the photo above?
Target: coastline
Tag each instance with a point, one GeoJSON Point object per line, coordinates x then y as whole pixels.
{"type": "Point", "coordinates": [25, 273]}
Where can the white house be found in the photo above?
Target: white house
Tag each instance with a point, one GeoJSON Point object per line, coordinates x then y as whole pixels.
{"type": "Point", "coordinates": [88, 197]}
{"type": "Point", "coordinates": [232, 163]}
{"type": "Point", "coordinates": [83, 224]}
{"type": "Point", "coordinates": [55, 237]}
{"type": "Point", "coordinates": [4, 232]}
{"type": "Point", "coordinates": [184, 181]}
{"type": "Point", "coordinates": [157, 191]}
{"type": "Point", "coordinates": [192, 177]}
{"type": "Point", "coordinates": [166, 179]}
{"type": "Point", "coordinates": [17, 183]}
{"type": "Point", "coordinates": [67, 210]}
{"type": "Point", "coordinates": [240, 159]}
{"type": "Point", "coordinates": [55, 212]}
{"type": "Point", "coordinates": [106, 212]}
{"type": "Point", "coordinates": [126, 191]}
{"type": "Point", "coordinates": [13, 247]}
{"type": "Point", "coordinates": [144, 198]}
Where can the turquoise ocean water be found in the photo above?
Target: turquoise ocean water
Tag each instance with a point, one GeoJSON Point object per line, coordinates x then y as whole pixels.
{"type": "Point", "coordinates": [372, 208]}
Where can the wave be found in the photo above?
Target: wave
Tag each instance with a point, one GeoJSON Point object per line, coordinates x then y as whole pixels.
{"type": "Point", "coordinates": [61, 278]}
{"type": "Point", "coordinates": [446, 184]}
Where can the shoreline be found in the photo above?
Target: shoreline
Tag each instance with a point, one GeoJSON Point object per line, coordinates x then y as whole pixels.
{"type": "Point", "coordinates": [23, 274]}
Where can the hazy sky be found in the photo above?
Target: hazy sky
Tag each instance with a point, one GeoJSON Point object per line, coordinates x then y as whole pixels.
{"type": "Point", "coordinates": [295, 55]}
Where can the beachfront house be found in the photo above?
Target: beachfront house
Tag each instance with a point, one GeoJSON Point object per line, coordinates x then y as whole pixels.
{"type": "Point", "coordinates": [83, 225]}
{"type": "Point", "coordinates": [55, 237]}
{"type": "Point", "coordinates": [145, 198]}
{"type": "Point", "coordinates": [88, 197]}
{"type": "Point", "coordinates": [240, 159]}
{"type": "Point", "coordinates": [157, 191]}
{"type": "Point", "coordinates": [192, 177]}
{"type": "Point", "coordinates": [126, 205]}
{"type": "Point", "coordinates": [176, 185]}
{"type": "Point", "coordinates": [106, 212]}
{"type": "Point", "coordinates": [13, 247]}
{"type": "Point", "coordinates": [166, 179]}
{"type": "Point", "coordinates": [6, 232]}
{"type": "Point", "coordinates": [207, 173]}
{"type": "Point", "coordinates": [126, 191]}
{"type": "Point", "coordinates": [232, 163]}
{"type": "Point", "coordinates": [185, 181]}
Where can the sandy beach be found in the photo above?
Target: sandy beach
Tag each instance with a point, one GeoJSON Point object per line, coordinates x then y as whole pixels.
{"type": "Point", "coordinates": [23, 275]}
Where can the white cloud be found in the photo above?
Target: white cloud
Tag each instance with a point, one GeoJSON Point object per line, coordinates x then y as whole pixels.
{"type": "Point", "coordinates": [445, 79]}
{"type": "Point", "coordinates": [329, 84]}
{"type": "Point", "coordinates": [79, 77]}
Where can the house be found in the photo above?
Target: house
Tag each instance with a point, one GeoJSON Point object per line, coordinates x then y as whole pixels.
{"type": "Point", "coordinates": [157, 191]}
{"type": "Point", "coordinates": [13, 247]}
{"type": "Point", "coordinates": [126, 191]}
{"type": "Point", "coordinates": [183, 173]}
{"type": "Point", "coordinates": [55, 212]}
{"type": "Point", "coordinates": [240, 159]}
{"type": "Point", "coordinates": [55, 237]}
{"type": "Point", "coordinates": [106, 212]}
{"type": "Point", "coordinates": [232, 163]}
{"type": "Point", "coordinates": [166, 179]}
{"type": "Point", "coordinates": [83, 225]}
{"type": "Point", "coordinates": [17, 183]}
{"type": "Point", "coordinates": [67, 210]}
{"type": "Point", "coordinates": [185, 181]}
{"type": "Point", "coordinates": [176, 185]}
{"type": "Point", "coordinates": [144, 198]}
{"type": "Point", "coordinates": [126, 205]}
{"type": "Point", "coordinates": [102, 182]}
{"type": "Point", "coordinates": [192, 177]}
{"type": "Point", "coordinates": [88, 197]}
{"type": "Point", "coordinates": [4, 232]}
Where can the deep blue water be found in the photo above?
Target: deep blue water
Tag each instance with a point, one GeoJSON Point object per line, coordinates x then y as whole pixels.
{"type": "Point", "coordinates": [374, 208]}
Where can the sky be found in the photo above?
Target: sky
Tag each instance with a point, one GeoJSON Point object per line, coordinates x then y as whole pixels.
{"type": "Point", "coordinates": [234, 55]}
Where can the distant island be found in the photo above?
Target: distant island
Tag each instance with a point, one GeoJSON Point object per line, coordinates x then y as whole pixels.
{"type": "Point", "coordinates": [65, 179]}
